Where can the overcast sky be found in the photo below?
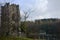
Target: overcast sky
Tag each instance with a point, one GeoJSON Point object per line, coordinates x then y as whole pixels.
{"type": "Point", "coordinates": [42, 8]}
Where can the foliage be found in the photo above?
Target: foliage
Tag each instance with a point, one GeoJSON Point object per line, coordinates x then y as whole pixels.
{"type": "Point", "coordinates": [23, 27]}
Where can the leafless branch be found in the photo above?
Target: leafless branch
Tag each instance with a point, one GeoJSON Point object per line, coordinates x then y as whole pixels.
{"type": "Point", "coordinates": [27, 13]}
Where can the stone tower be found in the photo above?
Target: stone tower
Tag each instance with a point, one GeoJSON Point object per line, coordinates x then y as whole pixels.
{"type": "Point", "coordinates": [10, 18]}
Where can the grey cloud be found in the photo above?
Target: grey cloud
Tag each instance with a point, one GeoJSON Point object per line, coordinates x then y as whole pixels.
{"type": "Point", "coordinates": [54, 8]}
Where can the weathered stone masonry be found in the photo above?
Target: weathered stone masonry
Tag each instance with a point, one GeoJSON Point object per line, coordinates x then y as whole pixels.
{"type": "Point", "coordinates": [10, 18]}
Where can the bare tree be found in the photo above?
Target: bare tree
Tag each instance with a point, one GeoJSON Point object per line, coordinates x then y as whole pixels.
{"type": "Point", "coordinates": [26, 15]}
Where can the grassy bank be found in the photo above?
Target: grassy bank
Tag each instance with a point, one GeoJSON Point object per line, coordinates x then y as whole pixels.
{"type": "Point", "coordinates": [14, 38]}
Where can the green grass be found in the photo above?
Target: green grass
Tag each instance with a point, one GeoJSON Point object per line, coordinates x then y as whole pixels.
{"type": "Point", "coordinates": [14, 38]}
